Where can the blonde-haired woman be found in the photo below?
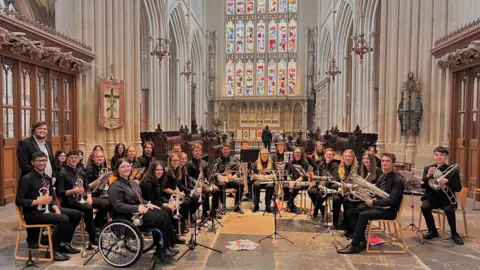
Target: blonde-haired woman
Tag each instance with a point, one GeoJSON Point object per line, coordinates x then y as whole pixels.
{"type": "Point", "coordinates": [348, 165]}
{"type": "Point", "coordinates": [262, 171]}
{"type": "Point", "coordinates": [318, 155]}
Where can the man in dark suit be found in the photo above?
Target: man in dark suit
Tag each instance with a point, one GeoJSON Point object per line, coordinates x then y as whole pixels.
{"type": "Point", "coordinates": [434, 199]}
{"type": "Point", "coordinates": [379, 208]}
{"type": "Point", "coordinates": [37, 142]}
{"type": "Point", "coordinates": [267, 138]}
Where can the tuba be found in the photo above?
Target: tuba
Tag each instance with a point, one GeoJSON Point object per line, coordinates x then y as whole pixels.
{"type": "Point", "coordinates": [364, 190]}
{"type": "Point", "coordinates": [42, 192]}
{"type": "Point", "coordinates": [79, 184]}
{"type": "Point", "coordinates": [435, 184]}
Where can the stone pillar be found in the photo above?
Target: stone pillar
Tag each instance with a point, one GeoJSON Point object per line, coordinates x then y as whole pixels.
{"type": "Point", "coordinates": [382, 79]}
{"type": "Point", "coordinates": [109, 61]}
{"type": "Point", "coordinates": [136, 89]}
{"type": "Point", "coordinates": [448, 92]}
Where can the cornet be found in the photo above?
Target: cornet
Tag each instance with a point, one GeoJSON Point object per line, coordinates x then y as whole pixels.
{"type": "Point", "coordinates": [137, 217]}
{"type": "Point", "coordinates": [197, 189]}
{"type": "Point", "coordinates": [79, 184]}
{"type": "Point", "coordinates": [42, 192]}
{"type": "Point", "coordinates": [177, 200]}
{"type": "Point", "coordinates": [435, 184]}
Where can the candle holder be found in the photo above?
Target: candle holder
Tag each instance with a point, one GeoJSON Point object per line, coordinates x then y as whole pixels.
{"type": "Point", "coordinates": [188, 71]}
{"type": "Point", "coordinates": [161, 49]}
{"type": "Point", "coordinates": [333, 69]}
{"type": "Point", "coordinates": [361, 47]}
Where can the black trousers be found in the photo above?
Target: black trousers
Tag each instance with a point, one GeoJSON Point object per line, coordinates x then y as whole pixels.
{"type": "Point", "coordinates": [292, 194]}
{"type": "Point", "coordinates": [268, 192]}
{"type": "Point", "coordinates": [232, 184]}
{"type": "Point", "coordinates": [361, 215]}
{"type": "Point", "coordinates": [160, 219]}
{"type": "Point", "coordinates": [337, 206]}
{"type": "Point", "coordinates": [65, 224]}
{"type": "Point", "coordinates": [267, 145]}
{"type": "Point", "coordinates": [317, 200]}
{"type": "Point", "coordinates": [87, 211]}
{"type": "Point", "coordinates": [216, 194]}
{"type": "Point", "coordinates": [103, 206]}
{"type": "Point", "coordinates": [434, 203]}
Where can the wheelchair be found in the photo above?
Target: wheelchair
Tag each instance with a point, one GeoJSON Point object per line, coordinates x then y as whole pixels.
{"type": "Point", "coordinates": [121, 243]}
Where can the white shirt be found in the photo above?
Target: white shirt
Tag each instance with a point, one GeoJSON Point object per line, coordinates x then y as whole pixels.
{"type": "Point", "coordinates": [43, 148]}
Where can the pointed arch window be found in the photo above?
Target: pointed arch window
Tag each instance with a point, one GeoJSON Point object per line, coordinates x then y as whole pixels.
{"type": "Point", "coordinates": [260, 46]}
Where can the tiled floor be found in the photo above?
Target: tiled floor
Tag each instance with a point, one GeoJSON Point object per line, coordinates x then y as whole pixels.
{"type": "Point", "coordinates": [305, 253]}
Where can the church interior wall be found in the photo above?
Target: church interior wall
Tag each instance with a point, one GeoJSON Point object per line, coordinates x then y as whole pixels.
{"type": "Point", "coordinates": [402, 34]}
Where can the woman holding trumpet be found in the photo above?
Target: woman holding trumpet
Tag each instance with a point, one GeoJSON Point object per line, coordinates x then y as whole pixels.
{"type": "Point", "coordinates": [263, 171]}
{"type": "Point", "coordinates": [126, 198]}
{"type": "Point", "coordinates": [173, 176]}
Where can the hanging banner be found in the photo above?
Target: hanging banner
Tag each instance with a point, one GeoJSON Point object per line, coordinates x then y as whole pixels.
{"type": "Point", "coordinates": [112, 104]}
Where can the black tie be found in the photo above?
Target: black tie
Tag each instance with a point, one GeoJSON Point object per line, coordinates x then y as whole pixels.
{"type": "Point", "coordinates": [383, 182]}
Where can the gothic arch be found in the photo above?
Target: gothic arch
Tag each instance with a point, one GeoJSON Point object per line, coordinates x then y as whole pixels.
{"type": "Point", "coordinates": [286, 118]}
{"type": "Point", "coordinates": [233, 121]}
{"type": "Point", "coordinates": [297, 117]}
{"type": "Point", "coordinates": [222, 113]}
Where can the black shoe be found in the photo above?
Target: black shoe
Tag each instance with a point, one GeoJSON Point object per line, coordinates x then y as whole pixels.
{"type": "Point", "coordinates": [268, 209]}
{"type": "Point", "coordinates": [238, 210]}
{"type": "Point", "coordinates": [255, 208]}
{"type": "Point", "coordinates": [457, 239]}
{"type": "Point", "coordinates": [66, 248]}
{"type": "Point", "coordinates": [179, 240]}
{"type": "Point", "coordinates": [350, 249]}
{"type": "Point", "coordinates": [346, 234]}
{"type": "Point", "coordinates": [363, 245]}
{"type": "Point", "coordinates": [32, 245]}
{"type": "Point", "coordinates": [94, 241]}
{"type": "Point", "coordinates": [430, 234]}
{"type": "Point", "coordinates": [58, 256]}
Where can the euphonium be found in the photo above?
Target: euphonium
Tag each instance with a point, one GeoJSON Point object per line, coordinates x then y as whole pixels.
{"type": "Point", "coordinates": [42, 192]}
{"type": "Point", "coordinates": [79, 184]}
{"type": "Point", "coordinates": [435, 184]}
{"type": "Point", "coordinates": [364, 190]}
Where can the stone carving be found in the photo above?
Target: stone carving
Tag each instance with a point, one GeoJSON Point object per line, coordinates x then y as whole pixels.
{"type": "Point", "coordinates": [212, 37]}
{"type": "Point", "coordinates": [461, 56]}
{"type": "Point", "coordinates": [456, 33]}
{"type": "Point", "coordinates": [410, 114]}
{"type": "Point", "coordinates": [19, 44]}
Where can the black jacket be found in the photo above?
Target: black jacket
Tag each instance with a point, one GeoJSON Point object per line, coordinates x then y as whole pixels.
{"type": "Point", "coordinates": [28, 188]}
{"type": "Point", "coordinates": [66, 180]}
{"type": "Point", "coordinates": [394, 187]}
{"type": "Point", "coordinates": [279, 157]}
{"type": "Point", "coordinates": [151, 191]}
{"type": "Point", "coordinates": [123, 199]}
{"type": "Point", "coordinates": [293, 172]}
{"type": "Point", "coordinates": [315, 162]}
{"type": "Point", "coordinates": [453, 183]}
{"type": "Point", "coordinates": [92, 173]}
{"type": "Point", "coordinates": [186, 184]}
{"type": "Point", "coordinates": [193, 168]}
{"type": "Point", "coordinates": [266, 135]}
{"type": "Point", "coordinates": [325, 169]}
{"type": "Point", "coordinates": [25, 150]}
{"type": "Point", "coordinates": [144, 161]}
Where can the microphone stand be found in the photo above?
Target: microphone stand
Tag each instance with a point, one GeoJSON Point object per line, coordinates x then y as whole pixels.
{"type": "Point", "coordinates": [213, 214]}
{"type": "Point", "coordinates": [193, 240]}
{"type": "Point", "coordinates": [275, 235]}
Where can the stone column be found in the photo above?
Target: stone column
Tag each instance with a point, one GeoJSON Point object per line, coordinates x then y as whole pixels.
{"type": "Point", "coordinates": [448, 92]}
{"type": "Point", "coordinates": [382, 78]}
{"type": "Point", "coordinates": [109, 51]}
{"type": "Point", "coordinates": [373, 107]}
{"type": "Point", "coordinates": [137, 60]}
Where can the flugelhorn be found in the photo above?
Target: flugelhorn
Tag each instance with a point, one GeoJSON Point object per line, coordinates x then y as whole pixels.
{"type": "Point", "coordinates": [79, 184]}
{"type": "Point", "coordinates": [42, 192]}
{"type": "Point", "coordinates": [435, 184]}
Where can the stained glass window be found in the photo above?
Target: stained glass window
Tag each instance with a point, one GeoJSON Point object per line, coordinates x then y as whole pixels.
{"type": "Point", "coordinates": [261, 47]}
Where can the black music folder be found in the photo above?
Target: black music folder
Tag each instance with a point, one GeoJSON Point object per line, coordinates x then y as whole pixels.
{"type": "Point", "coordinates": [249, 155]}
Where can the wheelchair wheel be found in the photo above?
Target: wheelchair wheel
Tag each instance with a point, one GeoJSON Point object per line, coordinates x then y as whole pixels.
{"type": "Point", "coordinates": [148, 242]}
{"type": "Point", "coordinates": [120, 243]}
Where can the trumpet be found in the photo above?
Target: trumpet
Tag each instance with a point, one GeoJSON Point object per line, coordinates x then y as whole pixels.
{"type": "Point", "coordinates": [137, 218]}
{"type": "Point", "coordinates": [176, 200]}
{"type": "Point", "coordinates": [324, 191]}
{"type": "Point", "coordinates": [79, 184]}
{"type": "Point", "coordinates": [197, 190]}
{"type": "Point", "coordinates": [435, 184]}
{"type": "Point", "coordinates": [42, 192]}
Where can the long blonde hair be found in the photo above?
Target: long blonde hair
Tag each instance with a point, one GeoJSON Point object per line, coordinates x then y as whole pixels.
{"type": "Point", "coordinates": [372, 168]}
{"type": "Point", "coordinates": [259, 160]}
{"type": "Point", "coordinates": [341, 169]}
{"type": "Point", "coordinates": [315, 153]}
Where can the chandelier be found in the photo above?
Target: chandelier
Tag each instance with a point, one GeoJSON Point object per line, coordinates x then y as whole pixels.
{"type": "Point", "coordinates": [188, 69]}
{"type": "Point", "coordinates": [333, 69]}
{"type": "Point", "coordinates": [161, 49]}
{"type": "Point", "coordinates": [361, 46]}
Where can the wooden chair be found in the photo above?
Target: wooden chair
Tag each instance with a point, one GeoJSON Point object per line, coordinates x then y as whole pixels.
{"type": "Point", "coordinates": [396, 236]}
{"type": "Point", "coordinates": [442, 218]}
{"type": "Point", "coordinates": [477, 190]}
{"type": "Point", "coordinates": [79, 231]}
{"type": "Point", "coordinates": [23, 226]}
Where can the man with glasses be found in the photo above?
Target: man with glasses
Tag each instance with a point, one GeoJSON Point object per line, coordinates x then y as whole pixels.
{"type": "Point", "coordinates": [65, 220]}
{"type": "Point", "coordinates": [35, 143]}
{"type": "Point", "coordinates": [72, 194]}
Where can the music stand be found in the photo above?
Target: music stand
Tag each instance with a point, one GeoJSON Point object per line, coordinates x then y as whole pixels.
{"type": "Point", "coordinates": [304, 210]}
{"type": "Point", "coordinates": [248, 156]}
{"type": "Point", "coordinates": [412, 181]}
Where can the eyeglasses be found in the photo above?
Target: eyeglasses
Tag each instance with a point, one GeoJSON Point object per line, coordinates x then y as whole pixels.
{"type": "Point", "coordinates": [41, 160]}
{"type": "Point", "coordinates": [73, 157]}
{"type": "Point", "coordinates": [175, 160]}
{"type": "Point", "coordinates": [125, 166]}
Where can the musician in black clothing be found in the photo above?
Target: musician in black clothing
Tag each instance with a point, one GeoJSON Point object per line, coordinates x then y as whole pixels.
{"type": "Point", "coordinates": [280, 154]}
{"type": "Point", "coordinates": [263, 171]}
{"type": "Point", "coordinates": [126, 198]}
{"type": "Point", "coordinates": [64, 219]}
{"type": "Point", "coordinates": [373, 149]}
{"type": "Point", "coordinates": [299, 182]}
{"type": "Point", "coordinates": [348, 165]}
{"type": "Point", "coordinates": [434, 199]}
{"type": "Point", "coordinates": [70, 193]}
{"type": "Point", "coordinates": [131, 157]}
{"type": "Point", "coordinates": [194, 167]}
{"type": "Point", "coordinates": [327, 168]}
{"type": "Point", "coordinates": [318, 156]}
{"type": "Point", "coordinates": [225, 169]}
{"type": "Point", "coordinates": [173, 177]}
{"type": "Point", "coordinates": [376, 209]}
{"type": "Point", "coordinates": [187, 184]}
{"type": "Point", "coordinates": [99, 188]}
{"type": "Point", "coordinates": [119, 153]}
{"type": "Point", "coordinates": [60, 161]}
{"type": "Point", "coordinates": [147, 158]}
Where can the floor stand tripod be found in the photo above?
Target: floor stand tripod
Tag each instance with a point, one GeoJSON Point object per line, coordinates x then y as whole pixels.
{"type": "Point", "coordinates": [412, 224]}
{"type": "Point", "coordinates": [303, 209]}
{"type": "Point", "coordinates": [275, 210]}
{"type": "Point", "coordinates": [30, 262]}
{"type": "Point", "coordinates": [193, 242]}
{"type": "Point", "coordinates": [325, 222]}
